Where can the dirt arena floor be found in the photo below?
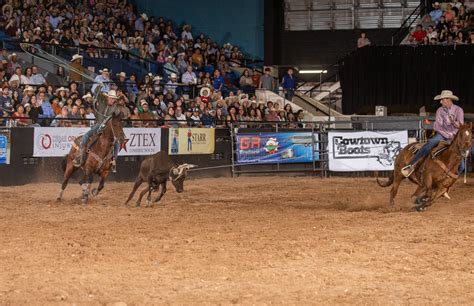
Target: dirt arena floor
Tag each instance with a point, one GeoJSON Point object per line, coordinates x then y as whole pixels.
{"type": "Point", "coordinates": [253, 240]}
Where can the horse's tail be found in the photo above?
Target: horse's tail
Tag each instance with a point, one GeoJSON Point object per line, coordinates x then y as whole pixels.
{"type": "Point", "coordinates": [384, 184]}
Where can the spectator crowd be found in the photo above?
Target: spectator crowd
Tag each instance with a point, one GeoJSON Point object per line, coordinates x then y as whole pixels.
{"type": "Point", "coordinates": [199, 84]}
{"type": "Point", "coordinates": [447, 23]}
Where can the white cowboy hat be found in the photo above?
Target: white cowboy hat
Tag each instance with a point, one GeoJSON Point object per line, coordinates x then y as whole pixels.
{"type": "Point", "coordinates": [99, 34]}
{"type": "Point", "coordinates": [201, 92]}
{"type": "Point", "coordinates": [37, 29]}
{"type": "Point", "coordinates": [122, 74]}
{"type": "Point", "coordinates": [157, 78]}
{"type": "Point", "coordinates": [144, 16]}
{"type": "Point", "coordinates": [28, 88]}
{"type": "Point", "coordinates": [76, 57]}
{"type": "Point", "coordinates": [104, 70]}
{"type": "Point", "coordinates": [87, 96]}
{"type": "Point", "coordinates": [62, 89]}
{"type": "Point", "coordinates": [173, 75]}
{"type": "Point", "coordinates": [446, 94]}
{"type": "Point", "coordinates": [112, 94]}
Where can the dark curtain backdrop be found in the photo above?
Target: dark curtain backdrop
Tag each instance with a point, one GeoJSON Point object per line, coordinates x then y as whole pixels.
{"type": "Point", "coordinates": [404, 78]}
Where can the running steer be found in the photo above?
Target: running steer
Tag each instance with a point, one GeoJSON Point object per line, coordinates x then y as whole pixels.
{"type": "Point", "coordinates": [155, 170]}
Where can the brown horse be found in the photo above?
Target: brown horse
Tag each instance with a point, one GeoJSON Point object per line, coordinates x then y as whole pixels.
{"type": "Point", "coordinates": [435, 173]}
{"type": "Point", "coordinates": [99, 157]}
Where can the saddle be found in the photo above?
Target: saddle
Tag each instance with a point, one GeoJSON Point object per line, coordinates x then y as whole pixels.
{"type": "Point", "coordinates": [440, 148]}
{"type": "Point", "coordinates": [435, 152]}
{"type": "Point", "coordinates": [92, 140]}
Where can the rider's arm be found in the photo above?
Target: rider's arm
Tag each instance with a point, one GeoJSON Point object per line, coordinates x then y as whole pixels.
{"type": "Point", "coordinates": [440, 124]}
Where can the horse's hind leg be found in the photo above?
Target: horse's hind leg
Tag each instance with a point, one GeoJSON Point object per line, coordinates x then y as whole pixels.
{"type": "Point", "coordinates": [398, 178]}
{"type": "Point", "coordinates": [138, 182]}
{"type": "Point", "coordinates": [70, 169]}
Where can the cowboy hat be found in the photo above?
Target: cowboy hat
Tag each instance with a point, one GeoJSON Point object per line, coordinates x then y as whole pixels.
{"type": "Point", "coordinates": [157, 78]}
{"type": "Point", "coordinates": [112, 94]}
{"type": "Point", "coordinates": [446, 94]}
{"type": "Point", "coordinates": [143, 103]}
{"type": "Point", "coordinates": [122, 74]}
{"type": "Point", "coordinates": [173, 75]}
{"type": "Point", "coordinates": [28, 88]}
{"type": "Point", "coordinates": [204, 90]}
{"type": "Point", "coordinates": [99, 34]}
{"type": "Point", "coordinates": [86, 96]}
{"type": "Point", "coordinates": [104, 70]}
{"type": "Point", "coordinates": [76, 57]}
{"type": "Point", "coordinates": [37, 29]}
{"type": "Point", "coordinates": [144, 16]}
{"type": "Point", "coordinates": [435, 4]}
{"type": "Point", "coordinates": [62, 89]}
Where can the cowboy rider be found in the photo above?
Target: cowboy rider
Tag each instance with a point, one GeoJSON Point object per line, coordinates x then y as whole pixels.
{"type": "Point", "coordinates": [449, 117]}
{"type": "Point", "coordinates": [106, 106]}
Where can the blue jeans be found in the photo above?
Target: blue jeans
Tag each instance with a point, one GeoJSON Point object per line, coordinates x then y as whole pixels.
{"type": "Point", "coordinates": [88, 134]}
{"type": "Point", "coordinates": [429, 145]}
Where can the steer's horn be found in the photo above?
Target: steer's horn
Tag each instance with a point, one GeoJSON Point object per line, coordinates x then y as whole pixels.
{"type": "Point", "coordinates": [175, 171]}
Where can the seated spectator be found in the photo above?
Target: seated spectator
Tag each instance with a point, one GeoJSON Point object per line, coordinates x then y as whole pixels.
{"type": "Point", "coordinates": [104, 79]}
{"type": "Point", "coordinates": [197, 60]}
{"type": "Point", "coordinates": [61, 119]}
{"type": "Point", "coordinates": [6, 102]}
{"type": "Point", "coordinates": [170, 68]}
{"type": "Point", "coordinates": [172, 86]}
{"type": "Point", "coordinates": [75, 116]}
{"type": "Point", "coordinates": [218, 82]}
{"type": "Point", "coordinates": [419, 34]}
{"type": "Point", "coordinates": [427, 22]}
{"type": "Point", "coordinates": [272, 115]}
{"type": "Point", "coordinates": [135, 118]}
{"type": "Point", "coordinates": [36, 77]}
{"type": "Point", "coordinates": [147, 117]}
{"type": "Point", "coordinates": [246, 82]}
{"type": "Point", "coordinates": [33, 110]}
{"type": "Point", "coordinates": [362, 41]}
{"type": "Point", "coordinates": [436, 13]}
{"type": "Point", "coordinates": [196, 118]}
{"type": "Point", "coordinates": [20, 117]}
{"type": "Point", "coordinates": [18, 78]}
{"type": "Point", "coordinates": [449, 14]}
{"type": "Point", "coordinates": [231, 119]}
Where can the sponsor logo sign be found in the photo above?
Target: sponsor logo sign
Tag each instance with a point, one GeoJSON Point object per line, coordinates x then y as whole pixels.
{"type": "Point", "coordinates": [277, 148]}
{"type": "Point", "coordinates": [53, 142]}
{"type": "Point", "coordinates": [365, 151]}
{"type": "Point", "coordinates": [191, 141]}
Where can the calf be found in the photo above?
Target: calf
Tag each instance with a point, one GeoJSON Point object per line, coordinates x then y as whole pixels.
{"type": "Point", "coordinates": [156, 169]}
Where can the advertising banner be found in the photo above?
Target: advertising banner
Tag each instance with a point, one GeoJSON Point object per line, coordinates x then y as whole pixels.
{"type": "Point", "coordinates": [56, 141]}
{"type": "Point", "coordinates": [365, 151]}
{"type": "Point", "coordinates": [4, 147]}
{"type": "Point", "coordinates": [191, 141]}
{"type": "Point", "coordinates": [297, 147]}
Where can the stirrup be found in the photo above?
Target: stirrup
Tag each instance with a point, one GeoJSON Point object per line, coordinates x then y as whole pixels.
{"type": "Point", "coordinates": [407, 170]}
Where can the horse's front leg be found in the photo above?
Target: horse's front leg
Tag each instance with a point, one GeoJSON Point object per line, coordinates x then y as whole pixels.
{"type": "Point", "coordinates": [103, 176]}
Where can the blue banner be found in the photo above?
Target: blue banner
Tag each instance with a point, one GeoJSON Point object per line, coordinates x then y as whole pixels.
{"type": "Point", "coordinates": [272, 148]}
{"type": "Point", "coordinates": [4, 150]}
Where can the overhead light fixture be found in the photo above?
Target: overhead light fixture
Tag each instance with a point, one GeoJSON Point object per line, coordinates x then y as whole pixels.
{"type": "Point", "coordinates": [313, 71]}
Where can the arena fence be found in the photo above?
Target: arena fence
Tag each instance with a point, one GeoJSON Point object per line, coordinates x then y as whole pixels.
{"type": "Point", "coordinates": [29, 154]}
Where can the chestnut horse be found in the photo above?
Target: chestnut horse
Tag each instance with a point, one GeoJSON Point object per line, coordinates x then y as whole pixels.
{"type": "Point", "coordinates": [434, 175]}
{"type": "Point", "coordinates": [98, 161]}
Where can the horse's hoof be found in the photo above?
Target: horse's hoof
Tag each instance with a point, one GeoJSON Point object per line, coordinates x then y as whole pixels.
{"type": "Point", "coordinates": [58, 199]}
{"type": "Point", "coordinates": [420, 208]}
{"type": "Point", "coordinates": [95, 192]}
{"type": "Point", "coordinates": [84, 200]}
